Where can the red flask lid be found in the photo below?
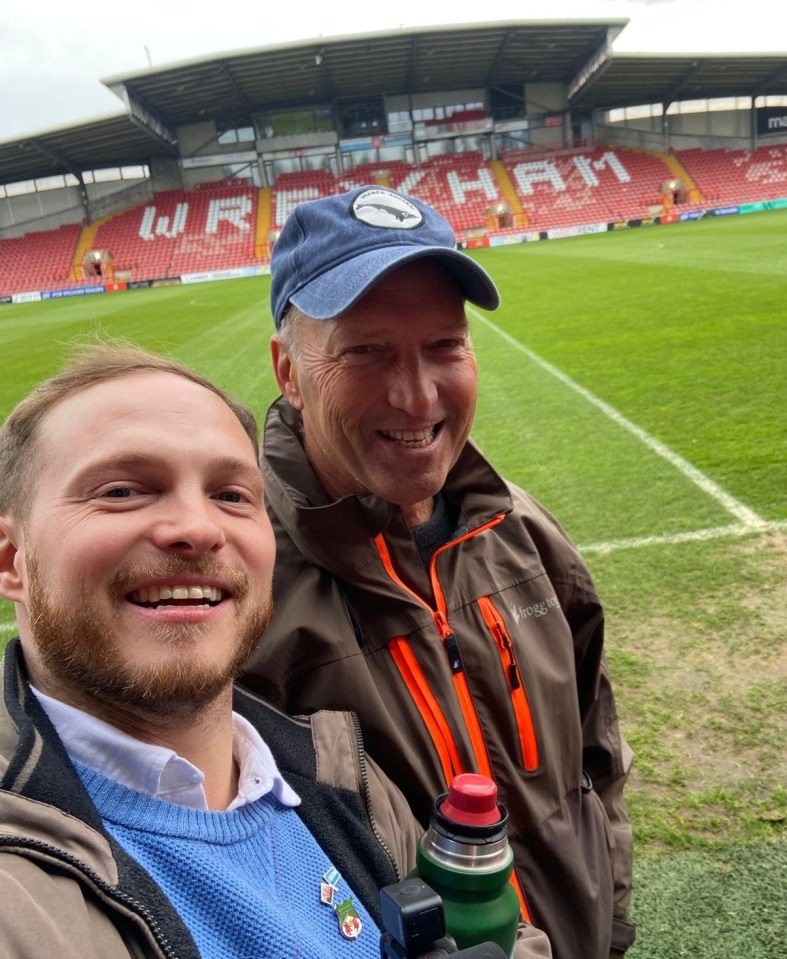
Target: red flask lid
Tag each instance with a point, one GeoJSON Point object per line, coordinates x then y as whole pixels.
{"type": "Point", "coordinates": [471, 801]}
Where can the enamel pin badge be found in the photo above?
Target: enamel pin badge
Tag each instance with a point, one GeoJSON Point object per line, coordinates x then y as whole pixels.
{"type": "Point", "coordinates": [350, 924]}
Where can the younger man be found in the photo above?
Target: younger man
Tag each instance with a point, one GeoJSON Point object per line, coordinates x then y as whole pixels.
{"type": "Point", "coordinates": [149, 808]}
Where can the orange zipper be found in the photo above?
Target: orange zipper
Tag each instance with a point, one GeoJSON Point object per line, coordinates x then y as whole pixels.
{"type": "Point", "coordinates": [427, 706]}
{"type": "Point", "coordinates": [449, 640]}
{"type": "Point", "coordinates": [463, 692]}
{"type": "Point", "coordinates": [419, 689]}
{"type": "Point", "coordinates": [522, 713]}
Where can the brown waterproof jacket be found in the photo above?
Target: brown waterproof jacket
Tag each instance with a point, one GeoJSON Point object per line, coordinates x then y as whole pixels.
{"type": "Point", "coordinates": [489, 661]}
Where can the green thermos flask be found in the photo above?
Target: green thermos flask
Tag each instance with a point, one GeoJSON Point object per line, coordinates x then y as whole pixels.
{"type": "Point", "coordinates": [465, 857]}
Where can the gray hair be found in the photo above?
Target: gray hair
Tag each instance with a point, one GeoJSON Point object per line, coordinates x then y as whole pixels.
{"type": "Point", "coordinates": [291, 330]}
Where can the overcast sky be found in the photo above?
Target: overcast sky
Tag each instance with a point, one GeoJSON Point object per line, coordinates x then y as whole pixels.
{"type": "Point", "coordinates": [53, 54]}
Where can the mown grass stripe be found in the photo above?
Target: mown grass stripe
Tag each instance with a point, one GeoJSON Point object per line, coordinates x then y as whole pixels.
{"type": "Point", "coordinates": [733, 506]}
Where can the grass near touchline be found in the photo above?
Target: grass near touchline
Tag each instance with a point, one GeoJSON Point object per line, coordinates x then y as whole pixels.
{"type": "Point", "coordinates": [575, 459]}
{"type": "Point", "coordinates": [696, 647]}
{"type": "Point", "coordinates": [681, 330]}
{"type": "Point", "coordinates": [723, 905]}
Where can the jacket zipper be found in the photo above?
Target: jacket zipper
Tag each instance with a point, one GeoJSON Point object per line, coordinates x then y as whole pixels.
{"type": "Point", "coordinates": [435, 720]}
{"type": "Point", "coordinates": [522, 712]}
{"type": "Point", "coordinates": [454, 656]}
{"type": "Point", "coordinates": [111, 892]}
{"type": "Point", "coordinates": [459, 677]}
{"type": "Point", "coordinates": [367, 796]}
{"type": "Point", "coordinates": [427, 706]}
{"type": "Point", "coordinates": [451, 647]}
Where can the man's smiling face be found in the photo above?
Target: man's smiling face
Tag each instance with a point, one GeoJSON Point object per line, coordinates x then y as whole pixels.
{"type": "Point", "coordinates": [388, 389]}
{"type": "Point", "coordinates": [143, 565]}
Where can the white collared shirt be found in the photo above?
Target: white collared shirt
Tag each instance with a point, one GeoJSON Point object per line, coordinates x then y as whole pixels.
{"type": "Point", "coordinates": [158, 771]}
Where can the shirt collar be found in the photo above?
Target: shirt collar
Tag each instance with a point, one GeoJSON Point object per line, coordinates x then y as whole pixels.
{"type": "Point", "coordinates": [158, 771]}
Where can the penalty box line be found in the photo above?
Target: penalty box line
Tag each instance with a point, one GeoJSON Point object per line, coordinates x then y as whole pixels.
{"type": "Point", "coordinates": [745, 516]}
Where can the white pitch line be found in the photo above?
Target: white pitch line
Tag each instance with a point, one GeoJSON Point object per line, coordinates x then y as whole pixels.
{"type": "Point", "coordinates": [741, 512]}
{"type": "Point", "coordinates": [690, 536]}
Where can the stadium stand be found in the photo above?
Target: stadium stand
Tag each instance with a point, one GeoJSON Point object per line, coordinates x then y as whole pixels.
{"type": "Point", "coordinates": [583, 187]}
{"type": "Point", "coordinates": [391, 173]}
{"type": "Point", "coordinates": [231, 224]}
{"type": "Point", "coordinates": [510, 128]}
{"type": "Point", "coordinates": [205, 229]}
{"type": "Point", "coordinates": [738, 176]}
{"type": "Point", "coordinates": [462, 186]}
{"type": "Point", "coordinates": [37, 261]}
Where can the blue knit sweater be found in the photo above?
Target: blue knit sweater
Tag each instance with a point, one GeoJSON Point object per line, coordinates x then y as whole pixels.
{"type": "Point", "coordinates": [246, 882]}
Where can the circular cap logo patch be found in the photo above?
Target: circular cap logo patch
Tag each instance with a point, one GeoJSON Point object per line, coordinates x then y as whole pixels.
{"type": "Point", "coordinates": [387, 210]}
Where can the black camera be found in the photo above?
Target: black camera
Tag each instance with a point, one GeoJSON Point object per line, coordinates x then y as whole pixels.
{"type": "Point", "coordinates": [414, 926]}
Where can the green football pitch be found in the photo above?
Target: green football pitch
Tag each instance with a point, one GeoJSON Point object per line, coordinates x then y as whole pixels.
{"type": "Point", "coordinates": [635, 383]}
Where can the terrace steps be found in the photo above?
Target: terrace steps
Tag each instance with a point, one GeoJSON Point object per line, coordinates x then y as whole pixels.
{"type": "Point", "coordinates": [84, 243]}
{"type": "Point", "coordinates": [508, 192]}
{"type": "Point", "coordinates": [680, 171]}
{"type": "Point", "coordinates": [263, 226]}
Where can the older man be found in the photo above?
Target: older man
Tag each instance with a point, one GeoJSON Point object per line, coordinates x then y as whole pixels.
{"type": "Point", "coordinates": [413, 583]}
{"type": "Point", "coordinates": [140, 814]}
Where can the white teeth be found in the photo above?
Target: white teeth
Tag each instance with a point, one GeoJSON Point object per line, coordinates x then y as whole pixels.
{"type": "Point", "coordinates": [410, 438]}
{"type": "Point", "coordinates": [156, 594]}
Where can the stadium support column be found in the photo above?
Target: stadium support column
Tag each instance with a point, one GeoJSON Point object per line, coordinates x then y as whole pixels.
{"type": "Point", "coordinates": [83, 196]}
{"type": "Point", "coordinates": [165, 174]}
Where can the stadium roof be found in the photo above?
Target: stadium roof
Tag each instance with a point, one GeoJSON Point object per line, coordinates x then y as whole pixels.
{"type": "Point", "coordinates": [229, 88]}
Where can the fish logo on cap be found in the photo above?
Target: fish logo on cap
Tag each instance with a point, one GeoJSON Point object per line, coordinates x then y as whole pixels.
{"type": "Point", "coordinates": [382, 208]}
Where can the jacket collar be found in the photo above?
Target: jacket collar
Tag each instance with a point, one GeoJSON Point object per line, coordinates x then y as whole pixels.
{"type": "Point", "coordinates": [34, 761]}
{"type": "Point", "coordinates": [338, 535]}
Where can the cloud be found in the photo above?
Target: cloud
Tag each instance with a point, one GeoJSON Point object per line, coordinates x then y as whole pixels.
{"type": "Point", "coordinates": [53, 61]}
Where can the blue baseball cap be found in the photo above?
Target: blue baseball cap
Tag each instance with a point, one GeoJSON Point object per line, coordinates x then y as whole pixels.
{"type": "Point", "coordinates": [331, 251]}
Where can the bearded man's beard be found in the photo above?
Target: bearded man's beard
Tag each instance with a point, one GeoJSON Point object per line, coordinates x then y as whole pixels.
{"type": "Point", "coordinates": [83, 651]}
